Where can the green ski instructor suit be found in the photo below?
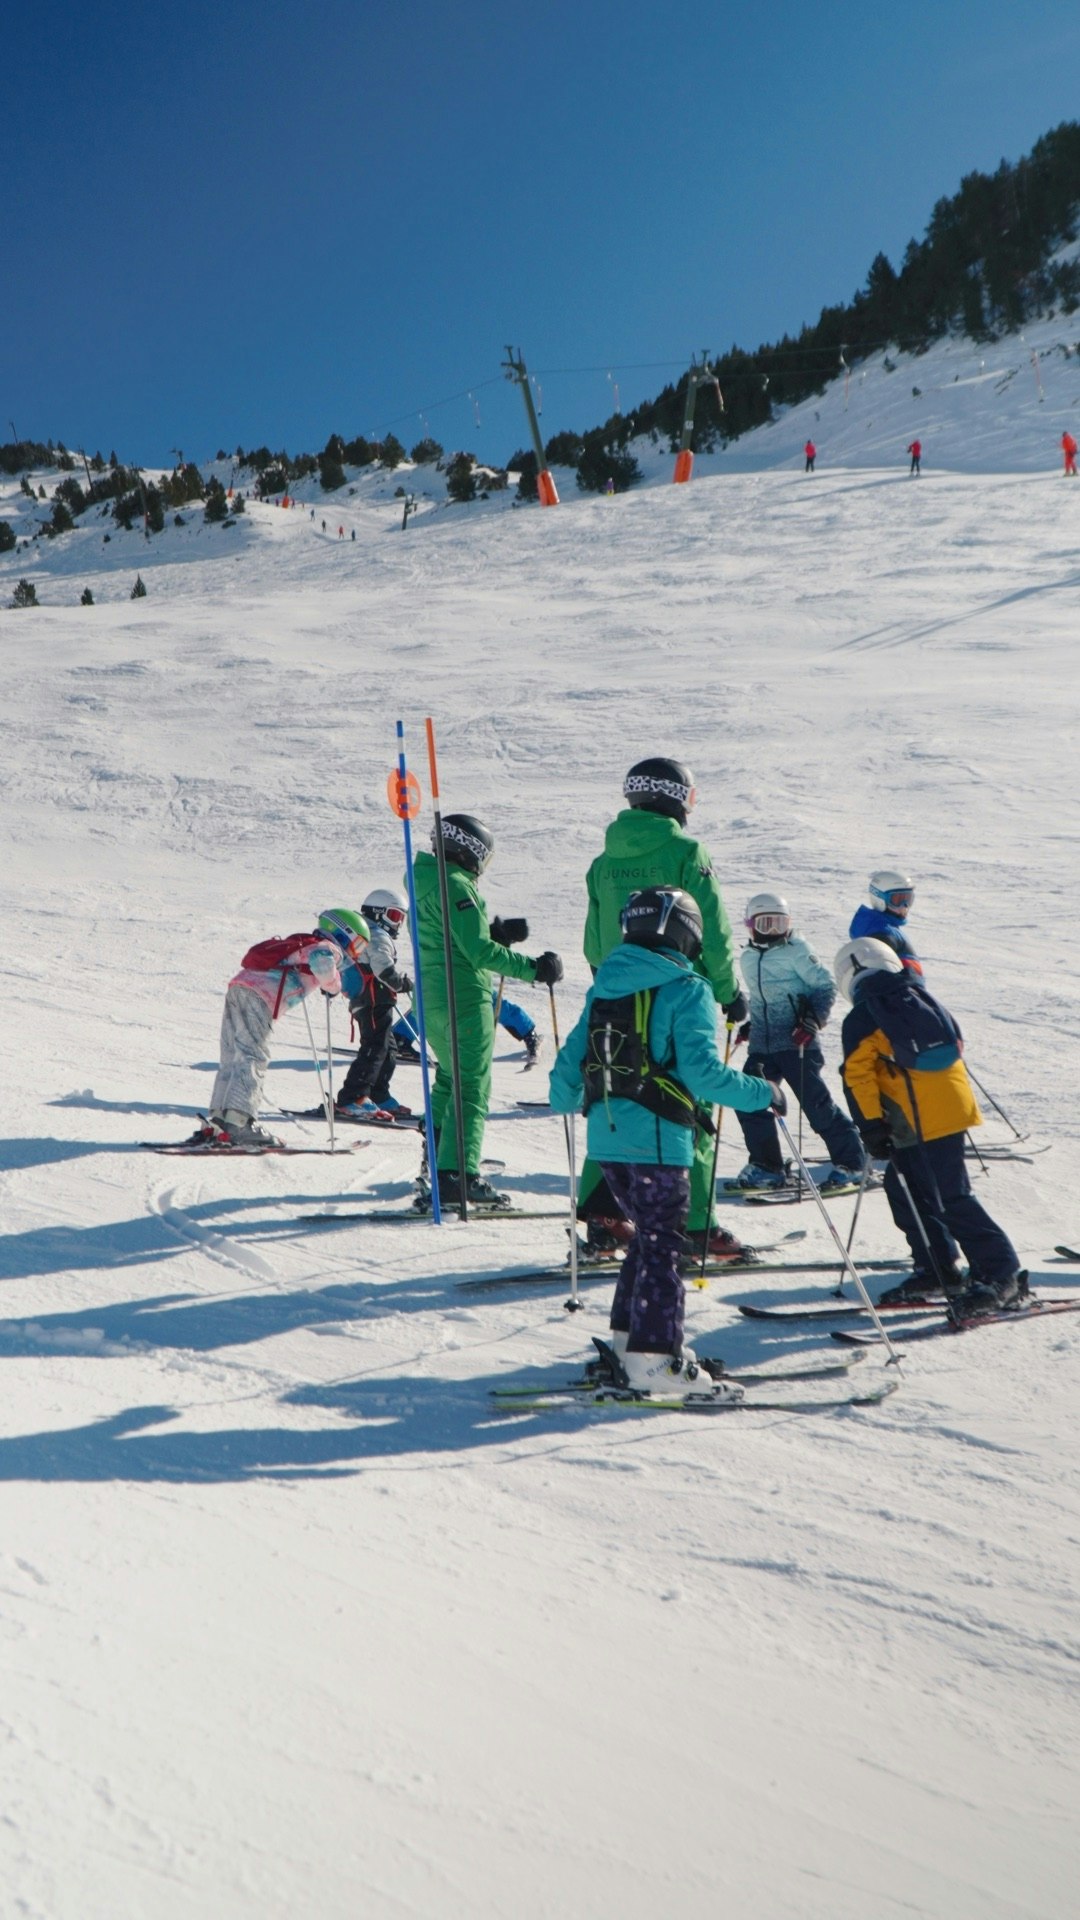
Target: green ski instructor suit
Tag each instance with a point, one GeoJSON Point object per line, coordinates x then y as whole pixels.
{"type": "Point", "coordinates": [643, 849]}
{"type": "Point", "coordinates": [476, 957]}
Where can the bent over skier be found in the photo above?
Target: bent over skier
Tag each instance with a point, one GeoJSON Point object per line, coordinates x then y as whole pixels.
{"type": "Point", "coordinates": [641, 1060]}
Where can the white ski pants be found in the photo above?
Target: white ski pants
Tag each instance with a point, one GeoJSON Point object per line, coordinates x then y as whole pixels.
{"type": "Point", "coordinates": [244, 1056]}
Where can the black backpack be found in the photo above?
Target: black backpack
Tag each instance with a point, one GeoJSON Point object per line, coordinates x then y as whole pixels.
{"type": "Point", "coordinates": [619, 1066]}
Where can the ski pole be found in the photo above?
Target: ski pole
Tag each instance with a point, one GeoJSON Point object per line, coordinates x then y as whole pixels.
{"type": "Point", "coordinates": [983, 1168]}
{"type": "Point", "coordinates": [702, 1280]}
{"type": "Point", "coordinates": [920, 1223]}
{"type": "Point", "coordinates": [448, 958]}
{"type": "Point", "coordinates": [499, 997]}
{"type": "Point", "coordinates": [404, 806]}
{"type": "Point", "coordinates": [574, 1304]}
{"type": "Point", "coordinates": [988, 1096]}
{"type": "Point", "coordinates": [838, 1290]}
{"type": "Point", "coordinates": [315, 1057]}
{"type": "Point", "coordinates": [329, 1075]}
{"type": "Point", "coordinates": [894, 1357]}
{"type": "Point", "coordinates": [802, 1084]}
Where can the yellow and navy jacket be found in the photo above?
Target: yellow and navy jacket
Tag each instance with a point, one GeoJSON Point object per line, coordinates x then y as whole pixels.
{"type": "Point", "coordinates": [902, 1061]}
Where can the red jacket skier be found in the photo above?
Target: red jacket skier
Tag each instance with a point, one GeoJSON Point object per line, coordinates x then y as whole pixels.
{"type": "Point", "coordinates": [811, 455]}
{"type": "Point", "coordinates": [915, 451]}
{"type": "Point", "coordinates": [1068, 448]}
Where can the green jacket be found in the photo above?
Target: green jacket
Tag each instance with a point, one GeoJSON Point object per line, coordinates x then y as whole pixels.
{"type": "Point", "coordinates": [644, 849]}
{"type": "Point", "coordinates": [476, 954]}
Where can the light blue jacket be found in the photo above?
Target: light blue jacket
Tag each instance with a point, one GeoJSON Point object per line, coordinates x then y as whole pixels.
{"type": "Point", "coordinates": [779, 980]}
{"type": "Point", "coordinates": [682, 1037]}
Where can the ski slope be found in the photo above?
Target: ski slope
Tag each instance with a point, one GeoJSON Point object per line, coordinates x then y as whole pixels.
{"type": "Point", "coordinates": [291, 1622]}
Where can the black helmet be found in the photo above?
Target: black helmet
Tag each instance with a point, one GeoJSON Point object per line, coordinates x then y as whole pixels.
{"type": "Point", "coordinates": [466, 840]}
{"type": "Point", "coordinates": [663, 917]}
{"type": "Point", "coordinates": [661, 786]}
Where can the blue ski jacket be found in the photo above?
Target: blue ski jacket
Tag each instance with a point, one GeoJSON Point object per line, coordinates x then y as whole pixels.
{"type": "Point", "coordinates": [682, 1037]}
{"type": "Point", "coordinates": [876, 924]}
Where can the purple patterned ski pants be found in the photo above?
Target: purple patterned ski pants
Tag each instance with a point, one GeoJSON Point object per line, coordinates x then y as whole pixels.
{"type": "Point", "coordinates": [649, 1295]}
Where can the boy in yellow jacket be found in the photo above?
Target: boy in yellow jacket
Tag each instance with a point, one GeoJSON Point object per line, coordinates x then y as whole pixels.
{"type": "Point", "coordinates": [911, 1099]}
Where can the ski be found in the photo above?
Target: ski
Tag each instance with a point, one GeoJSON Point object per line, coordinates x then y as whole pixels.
{"type": "Point", "coordinates": [241, 1153]}
{"type": "Point", "coordinates": [1068, 1253]}
{"type": "Point", "coordinates": [618, 1400]}
{"type": "Point", "coordinates": [715, 1269]}
{"type": "Point", "coordinates": [1034, 1310]}
{"type": "Point", "coordinates": [412, 1216]}
{"type": "Point", "coordinates": [411, 1125]}
{"type": "Point", "coordinates": [793, 1196]}
{"type": "Point", "coordinates": [835, 1310]}
{"type": "Point", "coordinates": [839, 1366]}
{"type": "Point", "coordinates": [537, 1106]}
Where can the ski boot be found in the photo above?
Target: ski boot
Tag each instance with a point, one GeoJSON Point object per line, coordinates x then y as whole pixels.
{"type": "Point", "coordinates": [990, 1296]}
{"type": "Point", "coordinates": [677, 1376]}
{"type": "Point", "coordinates": [715, 1243]}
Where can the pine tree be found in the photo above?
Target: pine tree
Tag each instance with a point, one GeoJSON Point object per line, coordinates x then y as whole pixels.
{"type": "Point", "coordinates": [138, 591]}
{"type": "Point", "coordinates": [86, 598]}
{"type": "Point", "coordinates": [7, 537]}
{"type": "Point", "coordinates": [25, 595]}
{"type": "Point", "coordinates": [461, 477]}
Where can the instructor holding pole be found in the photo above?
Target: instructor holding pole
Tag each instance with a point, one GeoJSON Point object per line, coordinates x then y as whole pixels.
{"type": "Point", "coordinates": [459, 951]}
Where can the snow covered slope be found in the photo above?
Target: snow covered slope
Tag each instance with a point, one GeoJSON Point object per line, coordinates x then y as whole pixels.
{"type": "Point", "coordinates": [291, 1622]}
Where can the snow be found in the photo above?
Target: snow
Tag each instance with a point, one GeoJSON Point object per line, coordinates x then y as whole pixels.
{"type": "Point", "coordinates": [291, 1621]}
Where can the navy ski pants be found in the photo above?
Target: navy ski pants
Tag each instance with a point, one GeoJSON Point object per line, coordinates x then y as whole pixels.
{"type": "Point", "coordinates": [650, 1298]}
{"type": "Point", "coordinates": [822, 1113]}
{"type": "Point", "coordinates": [937, 1175]}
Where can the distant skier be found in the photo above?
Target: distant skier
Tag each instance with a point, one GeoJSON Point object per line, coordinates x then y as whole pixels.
{"type": "Point", "coordinates": [468, 845]}
{"type": "Point", "coordinates": [641, 1060]}
{"type": "Point", "coordinates": [1068, 448]}
{"type": "Point", "coordinates": [274, 975]}
{"type": "Point", "coordinates": [811, 455]}
{"type": "Point", "coordinates": [791, 997]}
{"type": "Point", "coordinates": [883, 914]}
{"type": "Point", "coordinates": [647, 845]}
{"type": "Point", "coordinates": [911, 1097]}
{"type": "Point", "coordinates": [915, 451]}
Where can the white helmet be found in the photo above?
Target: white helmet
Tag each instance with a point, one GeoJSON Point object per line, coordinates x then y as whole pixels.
{"type": "Point", "coordinates": [863, 956]}
{"type": "Point", "coordinates": [385, 907]}
{"type": "Point", "coordinates": [767, 918]}
{"type": "Point", "coordinates": [891, 890]}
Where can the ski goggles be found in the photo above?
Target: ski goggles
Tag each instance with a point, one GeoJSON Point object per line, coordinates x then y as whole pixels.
{"type": "Point", "coordinates": [394, 916]}
{"type": "Point", "coordinates": [901, 901]}
{"type": "Point", "coordinates": [769, 923]}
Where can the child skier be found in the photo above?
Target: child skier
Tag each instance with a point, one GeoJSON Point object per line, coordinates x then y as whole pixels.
{"type": "Point", "coordinates": [373, 980]}
{"type": "Point", "coordinates": [910, 1093]}
{"type": "Point", "coordinates": [274, 975]}
{"type": "Point", "coordinates": [640, 1060]}
{"type": "Point", "coordinates": [883, 914]}
{"type": "Point", "coordinates": [791, 996]}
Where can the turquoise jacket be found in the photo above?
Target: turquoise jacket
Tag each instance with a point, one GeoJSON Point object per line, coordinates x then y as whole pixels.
{"type": "Point", "coordinates": [682, 1036]}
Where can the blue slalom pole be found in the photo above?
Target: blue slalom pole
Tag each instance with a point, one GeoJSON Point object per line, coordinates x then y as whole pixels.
{"type": "Point", "coordinates": [418, 990]}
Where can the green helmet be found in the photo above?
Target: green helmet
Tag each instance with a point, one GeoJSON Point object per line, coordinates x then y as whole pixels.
{"type": "Point", "coordinates": [344, 926]}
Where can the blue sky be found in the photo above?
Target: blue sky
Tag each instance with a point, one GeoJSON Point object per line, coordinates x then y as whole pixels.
{"type": "Point", "coordinates": [263, 222]}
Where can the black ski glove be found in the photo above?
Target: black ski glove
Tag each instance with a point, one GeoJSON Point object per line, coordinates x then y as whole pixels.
{"type": "Point", "coordinates": [743, 1034]}
{"type": "Point", "coordinates": [806, 1032]}
{"type": "Point", "coordinates": [736, 1010]}
{"type": "Point", "coordinates": [508, 933]}
{"type": "Point", "coordinates": [549, 969]}
{"type": "Point", "coordinates": [778, 1103]}
{"type": "Point", "coordinates": [876, 1138]}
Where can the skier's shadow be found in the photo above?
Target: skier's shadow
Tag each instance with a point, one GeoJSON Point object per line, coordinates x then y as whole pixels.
{"type": "Point", "coordinates": [389, 1419]}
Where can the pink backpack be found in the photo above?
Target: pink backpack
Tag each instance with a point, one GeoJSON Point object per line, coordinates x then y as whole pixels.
{"type": "Point", "coordinates": [266, 956]}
